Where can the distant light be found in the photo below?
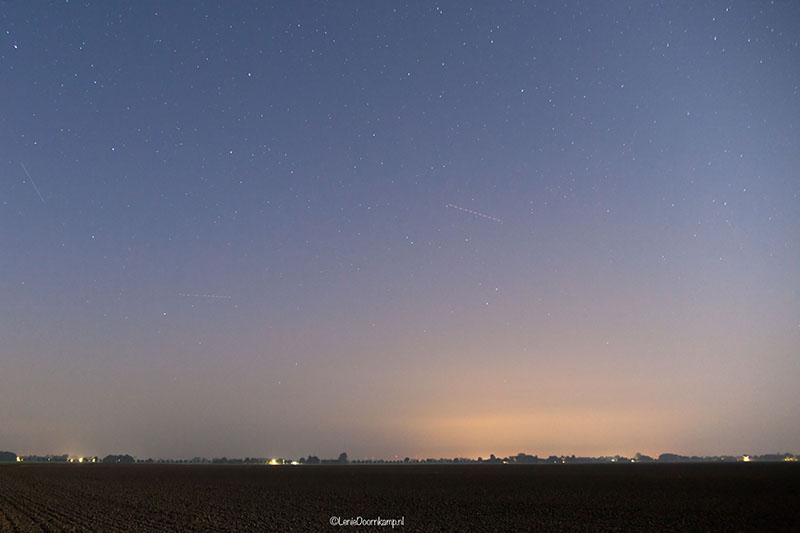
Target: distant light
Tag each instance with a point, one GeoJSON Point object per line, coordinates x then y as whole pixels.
{"type": "Point", "coordinates": [19, 459]}
{"type": "Point", "coordinates": [80, 459]}
{"type": "Point", "coordinates": [746, 458]}
{"type": "Point", "coordinates": [294, 463]}
{"type": "Point", "coordinates": [273, 462]}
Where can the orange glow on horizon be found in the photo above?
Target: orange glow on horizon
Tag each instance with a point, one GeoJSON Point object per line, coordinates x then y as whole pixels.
{"type": "Point", "coordinates": [547, 432]}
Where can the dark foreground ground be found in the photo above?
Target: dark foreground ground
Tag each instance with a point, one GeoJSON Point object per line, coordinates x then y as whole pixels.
{"type": "Point", "coordinates": [695, 497]}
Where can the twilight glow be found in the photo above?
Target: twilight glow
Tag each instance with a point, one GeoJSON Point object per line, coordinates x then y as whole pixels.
{"type": "Point", "coordinates": [416, 229]}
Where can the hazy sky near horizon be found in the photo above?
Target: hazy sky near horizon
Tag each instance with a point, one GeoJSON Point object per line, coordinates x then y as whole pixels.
{"type": "Point", "coordinates": [399, 228]}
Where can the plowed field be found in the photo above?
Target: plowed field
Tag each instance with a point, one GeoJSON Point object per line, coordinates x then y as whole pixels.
{"type": "Point", "coordinates": [723, 497]}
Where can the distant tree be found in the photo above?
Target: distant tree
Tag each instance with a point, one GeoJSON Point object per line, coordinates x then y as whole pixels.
{"type": "Point", "coordinates": [7, 457]}
{"type": "Point", "coordinates": [312, 460]}
{"type": "Point", "coordinates": [523, 458]}
{"type": "Point", "coordinates": [672, 458]}
{"type": "Point", "coordinates": [119, 459]}
{"type": "Point", "coordinates": [342, 458]}
{"type": "Point", "coordinates": [774, 457]}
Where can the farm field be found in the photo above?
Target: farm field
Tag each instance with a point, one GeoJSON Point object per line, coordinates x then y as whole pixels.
{"type": "Point", "coordinates": [688, 497]}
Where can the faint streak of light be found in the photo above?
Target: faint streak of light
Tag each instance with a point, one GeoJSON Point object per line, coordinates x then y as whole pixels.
{"type": "Point", "coordinates": [476, 213]}
{"type": "Point", "coordinates": [32, 182]}
{"type": "Point", "coordinates": [204, 296]}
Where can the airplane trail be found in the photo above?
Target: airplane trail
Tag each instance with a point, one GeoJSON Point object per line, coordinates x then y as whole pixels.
{"type": "Point", "coordinates": [204, 296]}
{"type": "Point", "coordinates": [32, 182]}
{"type": "Point", "coordinates": [476, 213]}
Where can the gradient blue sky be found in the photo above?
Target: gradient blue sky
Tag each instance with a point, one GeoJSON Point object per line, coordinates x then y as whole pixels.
{"type": "Point", "coordinates": [296, 161]}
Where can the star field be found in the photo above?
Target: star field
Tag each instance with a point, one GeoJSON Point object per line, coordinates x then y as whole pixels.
{"type": "Point", "coordinates": [274, 230]}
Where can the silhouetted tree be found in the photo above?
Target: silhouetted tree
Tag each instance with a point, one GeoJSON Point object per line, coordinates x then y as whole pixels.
{"type": "Point", "coordinates": [342, 458]}
{"type": "Point", "coordinates": [672, 458]}
{"type": "Point", "coordinates": [7, 457]}
{"type": "Point", "coordinates": [119, 459]}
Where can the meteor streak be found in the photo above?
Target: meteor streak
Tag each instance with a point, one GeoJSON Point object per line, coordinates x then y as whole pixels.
{"type": "Point", "coordinates": [204, 296]}
{"type": "Point", "coordinates": [32, 182]}
{"type": "Point", "coordinates": [476, 213]}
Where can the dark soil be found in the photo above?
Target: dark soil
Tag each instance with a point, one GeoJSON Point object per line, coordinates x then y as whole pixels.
{"type": "Point", "coordinates": [635, 497]}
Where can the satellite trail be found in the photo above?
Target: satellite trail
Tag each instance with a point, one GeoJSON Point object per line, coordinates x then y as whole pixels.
{"type": "Point", "coordinates": [204, 296]}
{"type": "Point", "coordinates": [32, 182]}
{"type": "Point", "coordinates": [476, 213]}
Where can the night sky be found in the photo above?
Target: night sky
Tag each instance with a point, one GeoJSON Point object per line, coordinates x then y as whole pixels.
{"type": "Point", "coordinates": [394, 228]}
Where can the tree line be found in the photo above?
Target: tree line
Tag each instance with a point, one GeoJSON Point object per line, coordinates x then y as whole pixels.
{"type": "Point", "coordinates": [520, 458]}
